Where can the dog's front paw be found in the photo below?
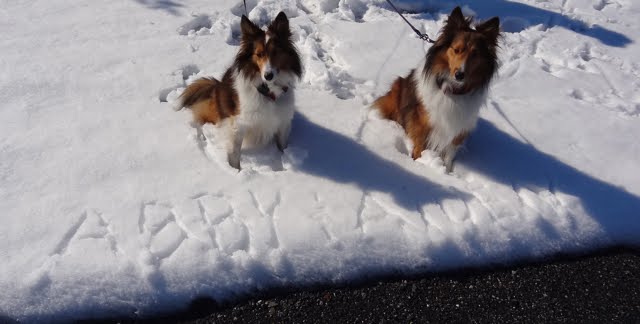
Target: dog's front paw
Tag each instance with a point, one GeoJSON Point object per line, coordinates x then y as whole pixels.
{"type": "Point", "coordinates": [449, 167]}
{"type": "Point", "coordinates": [234, 161]}
{"type": "Point", "coordinates": [281, 145]}
{"type": "Point", "coordinates": [282, 137]}
{"type": "Point", "coordinates": [293, 157]}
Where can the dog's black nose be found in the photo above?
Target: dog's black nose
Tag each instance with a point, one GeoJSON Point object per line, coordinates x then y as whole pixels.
{"type": "Point", "coordinates": [459, 75]}
{"type": "Point", "coordinates": [268, 76]}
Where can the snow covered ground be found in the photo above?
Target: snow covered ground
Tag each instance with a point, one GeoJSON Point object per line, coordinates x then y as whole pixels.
{"type": "Point", "coordinates": [112, 204]}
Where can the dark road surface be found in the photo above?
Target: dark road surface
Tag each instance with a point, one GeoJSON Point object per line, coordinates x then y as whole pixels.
{"type": "Point", "coordinates": [603, 287]}
{"type": "Point", "coordinates": [599, 288]}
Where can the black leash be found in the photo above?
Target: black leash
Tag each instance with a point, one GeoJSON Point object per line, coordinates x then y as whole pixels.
{"type": "Point", "coordinates": [422, 36]}
{"type": "Point", "coordinates": [245, 8]}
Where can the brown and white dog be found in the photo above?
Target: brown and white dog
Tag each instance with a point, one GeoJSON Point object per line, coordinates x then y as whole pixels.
{"type": "Point", "coordinates": [254, 100]}
{"type": "Point", "coordinates": [437, 104]}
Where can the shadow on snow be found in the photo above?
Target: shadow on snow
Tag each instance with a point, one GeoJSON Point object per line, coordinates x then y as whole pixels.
{"type": "Point", "coordinates": [169, 6]}
{"type": "Point", "coordinates": [507, 160]}
{"type": "Point", "coordinates": [491, 152]}
{"type": "Point", "coordinates": [341, 159]}
{"type": "Point", "coordinates": [516, 17]}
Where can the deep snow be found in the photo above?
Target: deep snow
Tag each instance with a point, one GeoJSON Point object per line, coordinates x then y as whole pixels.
{"type": "Point", "coordinates": [114, 205]}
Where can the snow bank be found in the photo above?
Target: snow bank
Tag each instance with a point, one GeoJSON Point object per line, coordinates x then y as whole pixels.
{"type": "Point", "coordinates": [114, 205]}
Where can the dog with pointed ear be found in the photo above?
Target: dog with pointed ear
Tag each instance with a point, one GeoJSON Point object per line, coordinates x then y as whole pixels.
{"type": "Point", "coordinates": [255, 94]}
{"type": "Point", "coordinates": [471, 53]}
{"type": "Point", "coordinates": [285, 55]}
{"type": "Point", "coordinates": [276, 58]}
{"type": "Point", "coordinates": [491, 30]}
{"type": "Point", "coordinates": [438, 102]}
{"type": "Point", "coordinates": [280, 26]}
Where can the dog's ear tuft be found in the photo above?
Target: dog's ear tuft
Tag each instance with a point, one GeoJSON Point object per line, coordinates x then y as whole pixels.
{"type": "Point", "coordinates": [248, 29]}
{"type": "Point", "coordinates": [490, 29]}
{"type": "Point", "coordinates": [280, 25]}
{"type": "Point", "coordinates": [456, 19]}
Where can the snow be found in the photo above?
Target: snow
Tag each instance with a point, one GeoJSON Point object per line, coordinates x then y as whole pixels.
{"type": "Point", "coordinates": [114, 205]}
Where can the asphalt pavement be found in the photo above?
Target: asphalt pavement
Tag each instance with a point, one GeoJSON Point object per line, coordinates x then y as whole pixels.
{"type": "Point", "coordinates": [601, 287]}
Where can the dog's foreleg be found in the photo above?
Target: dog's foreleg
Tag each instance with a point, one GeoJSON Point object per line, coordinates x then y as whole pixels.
{"type": "Point", "coordinates": [448, 155]}
{"type": "Point", "coordinates": [449, 152]}
{"type": "Point", "coordinates": [234, 145]}
{"type": "Point", "coordinates": [282, 136]}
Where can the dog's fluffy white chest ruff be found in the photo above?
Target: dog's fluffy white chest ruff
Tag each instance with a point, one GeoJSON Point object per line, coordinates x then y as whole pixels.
{"type": "Point", "coordinates": [449, 115]}
{"type": "Point", "coordinates": [260, 117]}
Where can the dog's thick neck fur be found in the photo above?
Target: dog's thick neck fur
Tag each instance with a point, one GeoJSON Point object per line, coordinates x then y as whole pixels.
{"type": "Point", "coordinates": [260, 116]}
{"type": "Point", "coordinates": [450, 115]}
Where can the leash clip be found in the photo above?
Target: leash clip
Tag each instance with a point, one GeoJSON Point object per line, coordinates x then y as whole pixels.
{"type": "Point", "coordinates": [422, 36]}
{"type": "Point", "coordinates": [425, 37]}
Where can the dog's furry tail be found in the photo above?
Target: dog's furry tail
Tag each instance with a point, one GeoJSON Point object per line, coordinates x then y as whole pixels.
{"type": "Point", "coordinates": [388, 105]}
{"type": "Point", "coordinates": [200, 97]}
{"type": "Point", "coordinates": [199, 90]}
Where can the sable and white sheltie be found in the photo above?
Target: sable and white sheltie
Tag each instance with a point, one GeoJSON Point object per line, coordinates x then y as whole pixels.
{"type": "Point", "coordinates": [254, 100]}
{"type": "Point", "coordinates": [437, 104]}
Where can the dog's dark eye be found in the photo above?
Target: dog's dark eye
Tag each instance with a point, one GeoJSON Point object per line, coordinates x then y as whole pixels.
{"type": "Point", "coordinates": [260, 54]}
{"type": "Point", "coordinates": [456, 50]}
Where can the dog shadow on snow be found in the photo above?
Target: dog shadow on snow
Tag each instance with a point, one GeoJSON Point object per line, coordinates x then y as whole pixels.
{"type": "Point", "coordinates": [507, 160]}
{"type": "Point", "coordinates": [341, 159]}
{"type": "Point", "coordinates": [168, 6]}
{"type": "Point", "coordinates": [490, 152]}
{"type": "Point", "coordinates": [515, 17]}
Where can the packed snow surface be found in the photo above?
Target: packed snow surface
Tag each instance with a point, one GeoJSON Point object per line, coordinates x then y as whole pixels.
{"type": "Point", "coordinates": [113, 204]}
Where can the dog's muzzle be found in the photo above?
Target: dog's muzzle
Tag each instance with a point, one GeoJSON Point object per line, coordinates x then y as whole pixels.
{"type": "Point", "coordinates": [264, 90]}
{"type": "Point", "coordinates": [449, 87]}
